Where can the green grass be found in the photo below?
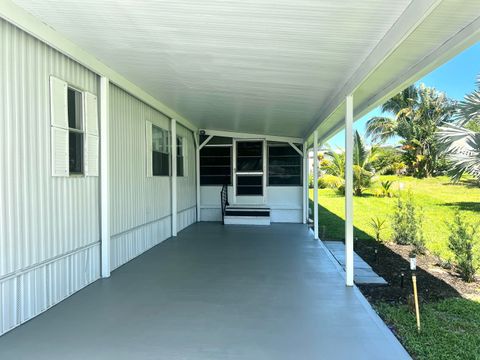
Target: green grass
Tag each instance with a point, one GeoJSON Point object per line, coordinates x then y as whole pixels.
{"type": "Point", "coordinates": [437, 197]}
{"type": "Point", "coordinates": [450, 329]}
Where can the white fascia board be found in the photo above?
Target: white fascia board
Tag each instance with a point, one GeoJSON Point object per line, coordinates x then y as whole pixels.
{"type": "Point", "coordinates": [239, 135]}
{"type": "Point", "coordinates": [468, 36]}
{"type": "Point", "coordinates": [415, 13]}
{"type": "Point", "coordinates": [33, 26]}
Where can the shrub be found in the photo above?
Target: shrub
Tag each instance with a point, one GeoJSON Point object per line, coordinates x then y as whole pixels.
{"type": "Point", "coordinates": [329, 181]}
{"type": "Point", "coordinates": [407, 225]}
{"type": "Point", "coordinates": [462, 242]}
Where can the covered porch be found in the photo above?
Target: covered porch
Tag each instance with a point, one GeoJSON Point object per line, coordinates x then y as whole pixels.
{"type": "Point", "coordinates": [214, 292]}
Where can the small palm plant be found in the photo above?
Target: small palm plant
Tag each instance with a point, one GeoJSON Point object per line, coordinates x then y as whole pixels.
{"type": "Point", "coordinates": [386, 185]}
{"type": "Point", "coordinates": [378, 225]}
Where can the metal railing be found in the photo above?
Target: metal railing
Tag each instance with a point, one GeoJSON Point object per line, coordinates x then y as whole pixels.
{"type": "Point", "coordinates": [224, 200]}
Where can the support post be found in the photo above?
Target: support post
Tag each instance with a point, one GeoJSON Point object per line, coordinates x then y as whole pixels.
{"type": "Point", "coordinates": [104, 178]}
{"type": "Point", "coordinates": [315, 183]}
{"type": "Point", "coordinates": [197, 172]}
{"type": "Point", "coordinates": [349, 191]}
{"type": "Point", "coordinates": [305, 183]}
{"type": "Point", "coordinates": [174, 176]}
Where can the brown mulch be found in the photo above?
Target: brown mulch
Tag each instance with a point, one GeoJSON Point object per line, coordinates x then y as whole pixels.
{"type": "Point", "coordinates": [434, 282]}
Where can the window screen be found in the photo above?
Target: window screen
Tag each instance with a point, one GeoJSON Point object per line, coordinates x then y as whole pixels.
{"type": "Point", "coordinates": [75, 131]}
{"type": "Point", "coordinates": [284, 165]}
{"type": "Point", "coordinates": [180, 156]}
{"type": "Point", "coordinates": [160, 152]}
{"type": "Point", "coordinates": [215, 165]}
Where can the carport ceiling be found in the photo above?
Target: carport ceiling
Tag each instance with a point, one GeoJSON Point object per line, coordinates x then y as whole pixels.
{"type": "Point", "coordinates": [257, 66]}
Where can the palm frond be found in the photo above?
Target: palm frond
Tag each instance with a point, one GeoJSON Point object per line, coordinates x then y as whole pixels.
{"type": "Point", "coordinates": [380, 128]}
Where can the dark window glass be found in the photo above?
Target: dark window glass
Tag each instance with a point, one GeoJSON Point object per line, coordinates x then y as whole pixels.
{"type": "Point", "coordinates": [249, 185]}
{"type": "Point", "coordinates": [160, 152]}
{"type": "Point", "coordinates": [249, 156]}
{"type": "Point", "coordinates": [74, 109]}
{"type": "Point", "coordinates": [284, 165]}
{"type": "Point", "coordinates": [75, 136]}
{"type": "Point", "coordinates": [180, 170]}
{"type": "Point", "coordinates": [215, 165]}
{"type": "Point", "coordinates": [75, 152]}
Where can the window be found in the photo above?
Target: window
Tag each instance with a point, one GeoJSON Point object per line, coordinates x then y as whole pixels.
{"type": "Point", "coordinates": [180, 156]}
{"type": "Point", "coordinates": [160, 151]}
{"type": "Point", "coordinates": [215, 162]}
{"type": "Point", "coordinates": [75, 131]}
{"type": "Point", "coordinates": [284, 165]}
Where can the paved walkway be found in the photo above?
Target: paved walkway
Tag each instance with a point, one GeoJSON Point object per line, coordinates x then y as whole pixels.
{"type": "Point", "coordinates": [364, 274]}
{"type": "Point", "coordinates": [214, 292]}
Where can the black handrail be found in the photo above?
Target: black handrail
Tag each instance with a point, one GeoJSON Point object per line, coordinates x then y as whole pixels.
{"type": "Point", "coordinates": [224, 200]}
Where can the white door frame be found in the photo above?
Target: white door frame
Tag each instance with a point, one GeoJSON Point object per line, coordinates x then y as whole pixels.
{"type": "Point", "coordinates": [263, 172]}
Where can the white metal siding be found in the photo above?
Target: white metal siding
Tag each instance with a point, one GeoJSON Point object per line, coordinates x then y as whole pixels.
{"type": "Point", "coordinates": [49, 226]}
{"type": "Point", "coordinates": [141, 206]}
{"type": "Point", "coordinates": [186, 185]}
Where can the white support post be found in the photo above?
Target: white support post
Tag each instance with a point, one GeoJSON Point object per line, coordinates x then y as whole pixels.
{"type": "Point", "coordinates": [174, 176]}
{"type": "Point", "coordinates": [104, 178]}
{"type": "Point", "coordinates": [197, 172]}
{"type": "Point", "coordinates": [315, 183]}
{"type": "Point", "coordinates": [305, 183]}
{"type": "Point", "coordinates": [349, 191]}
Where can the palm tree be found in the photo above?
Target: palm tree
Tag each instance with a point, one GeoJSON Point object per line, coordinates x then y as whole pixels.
{"type": "Point", "coordinates": [461, 143]}
{"type": "Point", "coordinates": [417, 114]}
{"type": "Point", "coordinates": [363, 170]}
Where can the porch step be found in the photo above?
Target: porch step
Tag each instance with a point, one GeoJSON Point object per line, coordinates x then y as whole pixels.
{"type": "Point", "coordinates": [247, 215]}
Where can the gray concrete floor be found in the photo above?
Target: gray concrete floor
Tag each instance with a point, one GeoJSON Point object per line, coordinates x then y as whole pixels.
{"type": "Point", "coordinates": [214, 292]}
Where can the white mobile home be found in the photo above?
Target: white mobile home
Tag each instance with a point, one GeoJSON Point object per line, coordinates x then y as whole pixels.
{"type": "Point", "coordinates": [121, 123]}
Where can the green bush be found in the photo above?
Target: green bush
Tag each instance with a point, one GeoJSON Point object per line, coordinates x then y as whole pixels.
{"type": "Point", "coordinates": [462, 242]}
{"type": "Point", "coordinates": [407, 224]}
{"type": "Point", "coordinates": [328, 181]}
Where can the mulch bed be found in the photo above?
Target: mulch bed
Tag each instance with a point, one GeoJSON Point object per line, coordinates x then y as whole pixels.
{"type": "Point", "coordinates": [434, 282]}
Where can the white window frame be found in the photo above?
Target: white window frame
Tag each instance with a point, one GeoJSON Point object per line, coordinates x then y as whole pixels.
{"type": "Point", "coordinates": [165, 146]}
{"type": "Point", "coordinates": [60, 130]}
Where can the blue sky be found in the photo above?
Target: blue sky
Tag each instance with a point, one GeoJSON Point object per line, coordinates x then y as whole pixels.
{"type": "Point", "coordinates": [456, 78]}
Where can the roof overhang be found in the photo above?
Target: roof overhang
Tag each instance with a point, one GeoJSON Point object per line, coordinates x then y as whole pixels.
{"type": "Point", "coordinates": [260, 67]}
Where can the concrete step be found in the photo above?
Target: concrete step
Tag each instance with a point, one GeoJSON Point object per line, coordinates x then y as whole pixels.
{"type": "Point", "coordinates": [247, 215]}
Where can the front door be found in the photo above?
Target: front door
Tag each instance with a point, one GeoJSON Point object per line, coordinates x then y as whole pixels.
{"type": "Point", "coordinates": [249, 171]}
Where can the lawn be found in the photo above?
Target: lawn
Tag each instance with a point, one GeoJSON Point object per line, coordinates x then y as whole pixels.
{"type": "Point", "coordinates": [437, 197]}
{"type": "Point", "coordinates": [450, 329]}
{"type": "Point", "coordinates": [450, 323]}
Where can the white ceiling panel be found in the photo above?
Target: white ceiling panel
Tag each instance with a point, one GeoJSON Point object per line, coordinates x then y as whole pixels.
{"type": "Point", "coordinates": [261, 66]}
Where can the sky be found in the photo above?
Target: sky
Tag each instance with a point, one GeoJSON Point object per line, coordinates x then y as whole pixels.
{"type": "Point", "coordinates": [456, 78]}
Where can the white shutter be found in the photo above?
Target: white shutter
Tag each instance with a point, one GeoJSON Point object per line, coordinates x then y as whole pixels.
{"type": "Point", "coordinates": [59, 152]}
{"type": "Point", "coordinates": [91, 114]}
{"type": "Point", "coordinates": [58, 103]}
{"type": "Point", "coordinates": [148, 148]}
{"type": "Point", "coordinates": [91, 155]}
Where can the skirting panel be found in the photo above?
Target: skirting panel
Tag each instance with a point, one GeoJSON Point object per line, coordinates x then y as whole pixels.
{"type": "Point", "coordinates": [211, 214]}
{"type": "Point", "coordinates": [128, 245]}
{"type": "Point", "coordinates": [186, 218]}
{"type": "Point", "coordinates": [35, 290]}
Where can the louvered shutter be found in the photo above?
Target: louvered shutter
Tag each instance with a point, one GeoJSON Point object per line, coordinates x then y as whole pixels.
{"type": "Point", "coordinates": [59, 151]}
{"type": "Point", "coordinates": [59, 126]}
{"type": "Point", "coordinates": [91, 155]}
